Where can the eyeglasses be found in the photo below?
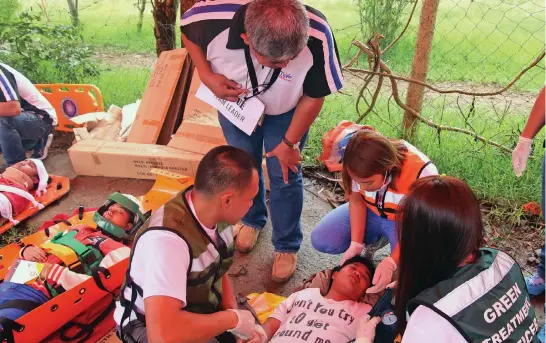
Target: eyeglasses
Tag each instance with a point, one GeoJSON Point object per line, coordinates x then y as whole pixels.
{"type": "Point", "coordinates": [260, 89]}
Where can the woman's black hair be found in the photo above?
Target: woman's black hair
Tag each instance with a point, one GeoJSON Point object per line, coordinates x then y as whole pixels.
{"type": "Point", "coordinates": [439, 227]}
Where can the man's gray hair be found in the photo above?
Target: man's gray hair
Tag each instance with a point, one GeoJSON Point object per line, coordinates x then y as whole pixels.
{"type": "Point", "coordinates": [277, 29]}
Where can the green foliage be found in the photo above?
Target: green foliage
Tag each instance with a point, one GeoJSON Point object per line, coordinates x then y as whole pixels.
{"type": "Point", "coordinates": [46, 53]}
{"type": "Point", "coordinates": [8, 10]}
{"type": "Point", "coordinates": [382, 16]}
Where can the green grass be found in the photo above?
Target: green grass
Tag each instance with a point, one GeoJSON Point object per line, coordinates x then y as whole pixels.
{"type": "Point", "coordinates": [106, 23]}
{"type": "Point", "coordinates": [475, 41]}
{"type": "Point", "coordinates": [484, 168]}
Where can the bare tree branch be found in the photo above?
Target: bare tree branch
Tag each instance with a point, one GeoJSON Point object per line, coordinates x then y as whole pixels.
{"type": "Point", "coordinates": [373, 53]}
{"type": "Point", "coordinates": [450, 91]}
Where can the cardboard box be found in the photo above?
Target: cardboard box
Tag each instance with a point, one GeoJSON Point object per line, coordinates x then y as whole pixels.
{"type": "Point", "coordinates": [129, 160]}
{"type": "Point", "coordinates": [178, 103]}
{"type": "Point", "coordinates": [200, 130]}
{"type": "Point", "coordinates": [157, 97]}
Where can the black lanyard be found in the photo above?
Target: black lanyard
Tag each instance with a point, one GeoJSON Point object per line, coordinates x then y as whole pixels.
{"type": "Point", "coordinates": [254, 78]}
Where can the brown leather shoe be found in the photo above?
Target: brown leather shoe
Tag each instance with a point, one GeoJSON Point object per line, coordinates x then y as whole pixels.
{"type": "Point", "coordinates": [284, 266]}
{"type": "Point", "coordinates": [246, 238]}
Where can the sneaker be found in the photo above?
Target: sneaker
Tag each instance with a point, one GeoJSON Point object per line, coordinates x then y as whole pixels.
{"type": "Point", "coordinates": [246, 237]}
{"type": "Point", "coordinates": [370, 249]}
{"type": "Point", "coordinates": [42, 148]}
{"type": "Point", "coordinates": [540, 335]}
{"type": "Point", "coordinates": [535, 284]}
{"type": "Point", "coordinates": [284, 266]}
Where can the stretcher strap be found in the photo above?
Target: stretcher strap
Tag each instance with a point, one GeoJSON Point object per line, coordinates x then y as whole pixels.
{"type": "Point", "coordinates": [8, 326]}
{"type": "Point", "coordinates": [21, 193]}
{"type": "Point", "coordinates": [98, 281]}
{"type": "Point", "coordinates": [86, 330]}
{"type": "Point", "coordinates": [25, 305]}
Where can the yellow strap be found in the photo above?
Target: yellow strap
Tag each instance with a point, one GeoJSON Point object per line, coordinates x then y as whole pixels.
{"type": "Point", "coordinates": [67, 255]}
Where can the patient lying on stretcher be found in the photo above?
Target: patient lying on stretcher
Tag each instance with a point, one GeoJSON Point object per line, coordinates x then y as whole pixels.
{"type": "Point", "coordinates": [16, 183]}
{"type": "Point", "coordinates": [72, 256]}
{"type": "Point", "coordinates": [308, 316]}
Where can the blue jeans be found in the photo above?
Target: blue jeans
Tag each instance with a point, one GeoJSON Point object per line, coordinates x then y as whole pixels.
{"type": "Point", "coordinates": [14, 291]}
{"type": "Point", "coordinates": [285, 200]}
{"type": "Point", "coordinates": [21, 133]}
{"type": "Point", "coordinates": [332, 235]}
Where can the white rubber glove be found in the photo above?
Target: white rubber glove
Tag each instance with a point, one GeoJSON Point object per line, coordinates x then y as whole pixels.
{"type": "Point", "coordinates": [366, 329]}
{"type": "Point", "coordinates": [383, 275]}
{"type": "Point", "coordinates": [354, 249]}
{"type": "Point", "coordinates": [245, 324]}
{"type": "Point", "coordinates": [258, 336]}
{"type": "Point", "coordinates": [521, 154]}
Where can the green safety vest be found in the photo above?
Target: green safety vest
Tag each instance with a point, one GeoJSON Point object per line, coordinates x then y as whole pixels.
{"type": "Point", "coordinates": [209, 260]}
{"type": "Point", "coordinates": [486, 301]}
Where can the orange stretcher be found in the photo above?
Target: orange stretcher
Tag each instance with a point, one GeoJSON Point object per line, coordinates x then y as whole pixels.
{"type": "Point", "coordinates": [71, 100]}
{"type": "Point", "coordinates": [44, 323]}
{"type": "Point", "coordinates": [57, 188]}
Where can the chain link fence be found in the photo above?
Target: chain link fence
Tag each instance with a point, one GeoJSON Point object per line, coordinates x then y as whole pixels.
{"type": "Point", "coordinates": [478, 46]}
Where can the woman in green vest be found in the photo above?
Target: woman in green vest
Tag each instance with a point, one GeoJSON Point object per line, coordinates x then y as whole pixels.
{"type": "Point", "coordinates": [450, 287]}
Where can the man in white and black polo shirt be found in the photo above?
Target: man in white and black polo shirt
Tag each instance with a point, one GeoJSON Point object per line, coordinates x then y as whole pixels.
{"type": "Point", "coordinates": [26, 117]}
{"type": "Point", "coordinates": [283, 53]}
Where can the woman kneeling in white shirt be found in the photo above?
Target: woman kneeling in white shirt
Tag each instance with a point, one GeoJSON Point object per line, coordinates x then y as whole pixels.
{"type": "Point", "coordinates": [452, 289]}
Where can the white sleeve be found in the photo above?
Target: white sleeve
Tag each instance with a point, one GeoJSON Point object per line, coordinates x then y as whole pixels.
{"type": "Point", "coordinates": [429, 171]}
{"type": "Point", "coordinates": [281, 312]}
{"type": "Point", "coordinates": [426, 326]}
{"type": "Point", "coordinates": [160, 262]}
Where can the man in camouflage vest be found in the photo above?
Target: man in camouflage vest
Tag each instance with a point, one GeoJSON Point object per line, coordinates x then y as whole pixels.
{"type": "Point", "coordinates": [177, 288]}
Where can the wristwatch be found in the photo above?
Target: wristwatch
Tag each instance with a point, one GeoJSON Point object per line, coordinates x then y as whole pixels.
{"type": "Point", "coordinates": [290, 144]}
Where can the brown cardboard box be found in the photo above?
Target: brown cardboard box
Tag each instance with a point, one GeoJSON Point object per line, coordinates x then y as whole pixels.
{"type": "Point", "coordinates": [129, 160]}
{"type": "Point", "coordinates": [132, 160]}
{"type": "Point", "coordinates": [200, 130]}
{"type": "Point", "coordinates": [157, 97]}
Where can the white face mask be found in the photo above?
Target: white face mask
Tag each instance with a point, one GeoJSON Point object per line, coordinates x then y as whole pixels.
{"type": "Point", "coordinates": [386, 181]}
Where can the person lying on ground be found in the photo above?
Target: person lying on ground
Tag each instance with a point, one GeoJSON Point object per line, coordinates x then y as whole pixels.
{"type": "Point", "coordinates": [27, 119]}
{"type": "Point", "coordinates": [16, 183]}
{"type": "Point", "coordinates": [177, 288]}
{"type": "Point", "coordinates": [92, 248]}
{"type": "Point", "coordinates": [307, 316]}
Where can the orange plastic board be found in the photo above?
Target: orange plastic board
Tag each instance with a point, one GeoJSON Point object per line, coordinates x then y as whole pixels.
{"type": "Point", "coordinates": [71, 100]}
{"type": "Point", "coordinates": [68, 305]}
{"type": "Point", "coordinates": [200, 130]}
{"type": "Point", "coordinates": [57, 188]}
{"type": "Point", "coordinates": [157, 97]}
{"type": "Point", "coordinates": [129, 160]}
{"type": "Point", "coordinates": [166, 186]}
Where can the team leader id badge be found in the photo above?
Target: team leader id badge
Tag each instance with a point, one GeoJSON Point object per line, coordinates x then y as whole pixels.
{"type": "Point", "coordinates": [246, 114]}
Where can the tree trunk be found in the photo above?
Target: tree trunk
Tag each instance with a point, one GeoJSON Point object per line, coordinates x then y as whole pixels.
{"type": "Point", "coordinates": [73, 10]}
{"type": "Point", "coordinates": [164, 24]}
{"type": "Point", "coordinates": [419, 69]}
{"type": "Point", "coordinates": [141, 5]}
